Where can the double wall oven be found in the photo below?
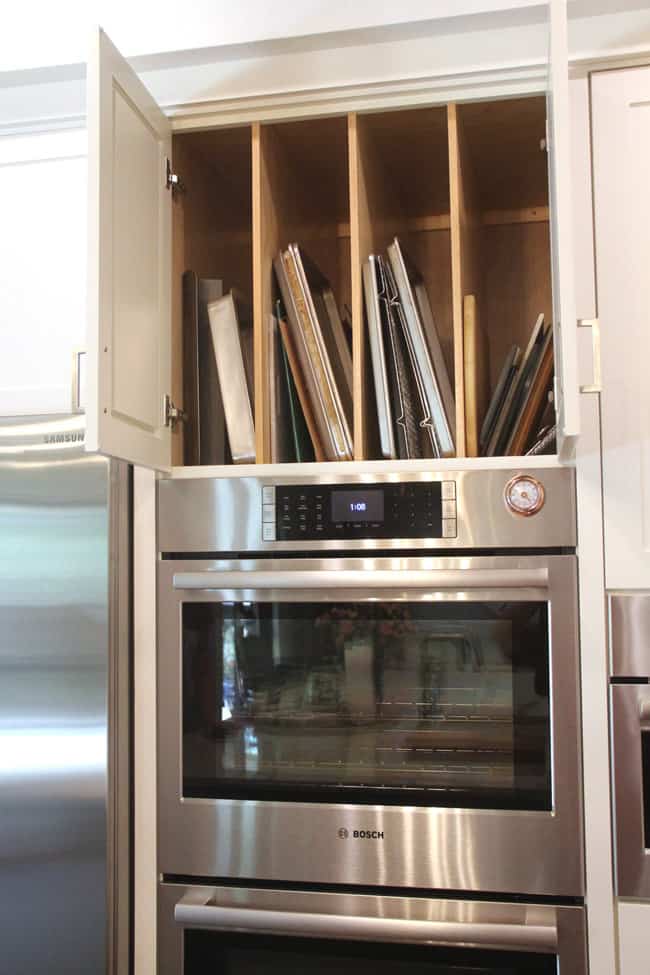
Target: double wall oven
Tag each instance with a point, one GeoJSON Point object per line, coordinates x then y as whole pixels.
{"type": "Point", "coordinates": [369, 724]}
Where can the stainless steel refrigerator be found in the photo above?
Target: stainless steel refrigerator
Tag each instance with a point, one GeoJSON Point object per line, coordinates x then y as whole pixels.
{"type": "Point", "coordinates": [65, 667]}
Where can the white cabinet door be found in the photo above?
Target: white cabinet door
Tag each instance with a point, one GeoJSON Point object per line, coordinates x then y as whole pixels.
{"type": "Point", "coordinates": [564, 308]}
{"type": "Point", "coordinates": [634, 937]}
{"type": "Point", "coordinates": [42, 269]}
{"type": "Point", "coordinates": [621, 154]}
{"type": "Point", "coordinates": [129, 274]}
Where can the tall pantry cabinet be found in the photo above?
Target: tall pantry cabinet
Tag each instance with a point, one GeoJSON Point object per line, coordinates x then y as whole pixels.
{"type": "Point", "coordinates": [621, 148]}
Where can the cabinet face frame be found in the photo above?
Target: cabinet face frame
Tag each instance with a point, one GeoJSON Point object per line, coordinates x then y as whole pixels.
{"type": "Point", "coordinates": [155, 449]}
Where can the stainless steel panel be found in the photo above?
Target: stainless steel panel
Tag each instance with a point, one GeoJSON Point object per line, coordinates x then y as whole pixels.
{"type": "Point", "coordinates": [630, 718]}
{"type": "Point", "coordinates": [225, 514]}
{"type": "Point", "coordinates": [543, 929]}
{"type": "Point", "coordinates": [57, 657]}
{"type": "Point", "coordinates": [629, 617]}
{"type": "Point", "coordinates": [443, 848]}
{"type": "Point", "coordinates": [120, 680]}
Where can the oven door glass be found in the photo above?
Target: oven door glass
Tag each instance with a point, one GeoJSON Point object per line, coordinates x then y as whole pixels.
{"type": "Point", "coordinates": [206, 952]}
{"type": "Point", "coordinates": [418, 703]}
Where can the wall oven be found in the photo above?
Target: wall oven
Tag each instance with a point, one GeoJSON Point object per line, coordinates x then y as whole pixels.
{"type": "Point", "coordinates": [249, 931]}
{"type": "Point", "coordinates": [371, 680]}
{"type": "Point", "coordinates": [629, 626]}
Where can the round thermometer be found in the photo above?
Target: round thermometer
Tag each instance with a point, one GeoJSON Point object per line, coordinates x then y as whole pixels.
{"type": "Point", "coordinates": [524, 495]}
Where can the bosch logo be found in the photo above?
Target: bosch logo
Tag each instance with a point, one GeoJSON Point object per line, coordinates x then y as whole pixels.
{"type": "Point", "coordinates": [361, 834]}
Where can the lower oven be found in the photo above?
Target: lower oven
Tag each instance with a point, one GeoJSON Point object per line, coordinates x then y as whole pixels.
{"type": "Point", "coordinates": [205, 929]}
{"type": "Point", "coordinates": [396, 712]}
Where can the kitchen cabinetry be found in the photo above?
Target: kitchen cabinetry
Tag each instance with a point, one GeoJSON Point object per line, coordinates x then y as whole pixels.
{"type": "Point", "coordinates": [621, 133]}
{"type": "Point", "coordinates": [466, 185]}
{"type": "Point", "coordinates": [621, 155]}
{"type": "Point", "coordinates": [42, 261]}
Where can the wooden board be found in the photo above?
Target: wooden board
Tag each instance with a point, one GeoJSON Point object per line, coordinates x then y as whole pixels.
{"type": "Point", "coordinates": [267, 240]}
{"type": "Point", "coordinates": [301, 390]}
{"type": "Point", "coordinates": [475, 350]}
{"type": "Point", "coordinates": [535, 404]}
{"type": "Point", "coordinates": [368, 188]}
{"type": "Point", "coordinates": [466, 264]}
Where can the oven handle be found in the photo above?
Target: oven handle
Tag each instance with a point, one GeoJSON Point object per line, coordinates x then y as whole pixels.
{"type": "Point", "coordinates": [500, 936]}
{"type": "Point", "coordinates": [448, 579]}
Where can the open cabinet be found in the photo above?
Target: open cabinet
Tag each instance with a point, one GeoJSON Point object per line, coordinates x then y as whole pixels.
{"type": "Point", "coordinates": [476, 192]}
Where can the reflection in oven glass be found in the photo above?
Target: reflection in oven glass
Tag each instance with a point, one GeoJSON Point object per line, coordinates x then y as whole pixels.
{"type": "Point", "coordinates": [206, 953]}
{"type": "Point", "coordinates": [376, 699]}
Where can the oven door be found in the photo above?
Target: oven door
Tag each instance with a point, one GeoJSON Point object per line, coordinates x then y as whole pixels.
{"type": "Point", "coordinates": [203, 930]}
{"type": "Point", "coordinates": [380, 721]}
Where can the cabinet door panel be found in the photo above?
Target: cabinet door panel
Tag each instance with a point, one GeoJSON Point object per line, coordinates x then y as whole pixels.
{"type": "Point", "coordinates": [564, 313]}
{"type": "Point", "coordinates": [634, 937]}
{"type": "Point", "coordinates": [42, 276]}
{"type": "Point", "coordinates": [621, 150]}
{"type": "Point", "coordinates": [129, 285]}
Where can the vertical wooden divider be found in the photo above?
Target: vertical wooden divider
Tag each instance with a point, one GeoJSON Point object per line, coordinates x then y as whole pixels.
{"type": "Point", "coordinates": [465, 220]}
{"type": "Point", "coordinates": [265, 245]}
{"type": "Point", "coordinates": [360, 247]}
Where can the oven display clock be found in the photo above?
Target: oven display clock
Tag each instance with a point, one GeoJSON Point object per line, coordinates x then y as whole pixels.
{"type": "Point", "coordinates": [359, 505]}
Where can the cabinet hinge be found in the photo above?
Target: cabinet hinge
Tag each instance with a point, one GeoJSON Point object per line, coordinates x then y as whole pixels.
{"type": "Point", "coordinates": [172, 414]}
{"type": "Point", "coordinates": [173, 180]}
{"type": "Point", "coordinates": [597, 385]}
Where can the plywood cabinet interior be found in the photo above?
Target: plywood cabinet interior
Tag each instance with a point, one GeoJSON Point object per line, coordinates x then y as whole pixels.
{"type": "Point", "coordinates": [464, 187]}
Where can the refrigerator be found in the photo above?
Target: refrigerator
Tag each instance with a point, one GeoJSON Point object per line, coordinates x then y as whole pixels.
{"type": "Point", "coordinates": [65, 703]}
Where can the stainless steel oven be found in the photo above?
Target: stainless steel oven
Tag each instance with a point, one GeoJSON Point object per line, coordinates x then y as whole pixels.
{"type": "Point", "coordinates": [204, 929]}
{"type": "Point", "coordinates": [391, 701]}
{"type": "Point", "coordinates": [629, 618]}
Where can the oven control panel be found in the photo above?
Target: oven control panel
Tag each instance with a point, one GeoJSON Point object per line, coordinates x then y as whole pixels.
{"type": "Point", "coordinates": [313, 512]}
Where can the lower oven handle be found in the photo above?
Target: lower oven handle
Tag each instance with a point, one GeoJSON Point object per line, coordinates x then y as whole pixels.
{"type": "Point", "coordinates": [456, 579]}
{"type": "Point", "coordinates": [499, 936]}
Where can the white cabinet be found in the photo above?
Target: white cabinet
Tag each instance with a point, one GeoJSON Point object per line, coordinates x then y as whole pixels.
{"type": "Point", "coordinates": [634, 938]}
{"type": "Point", "coordinates": [130, 278]}
{"type": "Point", "coordinates": [621, 146]}
{"type": "Point", "coordinates": [42, 269]}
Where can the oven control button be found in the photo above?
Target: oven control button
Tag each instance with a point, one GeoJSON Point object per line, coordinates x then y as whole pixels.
{"type": "Point", "coordinates": [449, 508]}
{"type": "Point", "coordinates": [448, 490]}
{"type": "Point", "coordinates": [524, 495]}
{"type": "Point", "coordinates": [449, 528]}
{"type": "Point", "coordinates": [268, 494]}
{"type": "Point", "coordinates": [268, 512]}
{"type": "Point", "coordinates": [268, 532]}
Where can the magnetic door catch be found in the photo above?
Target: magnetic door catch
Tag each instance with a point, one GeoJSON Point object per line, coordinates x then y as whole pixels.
{"type": "Point", "coordinates": [172, 414]}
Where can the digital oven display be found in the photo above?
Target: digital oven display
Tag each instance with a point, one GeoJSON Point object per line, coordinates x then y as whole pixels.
{"type": "Point", "coordinates": [361, 505]}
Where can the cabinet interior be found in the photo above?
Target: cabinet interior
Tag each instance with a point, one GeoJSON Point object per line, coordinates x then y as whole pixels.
{"type": "Point", "coordinates": [464, 187]}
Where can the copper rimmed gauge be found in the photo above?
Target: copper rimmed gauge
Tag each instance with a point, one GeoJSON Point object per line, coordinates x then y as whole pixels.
{"type": "Point", "coordinates": [524, 495]}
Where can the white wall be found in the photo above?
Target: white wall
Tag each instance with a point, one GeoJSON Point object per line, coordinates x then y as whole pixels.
{"type": "Point", "coordinates": [40, 33]}
{"type": "Point", "coordinates": [42, 269]}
